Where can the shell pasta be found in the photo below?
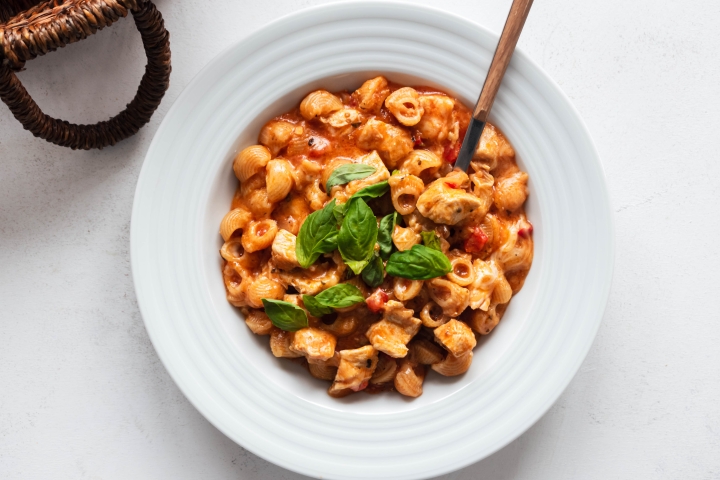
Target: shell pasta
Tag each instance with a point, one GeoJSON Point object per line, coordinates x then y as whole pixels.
{"type": "Point", "coordinates": [358, 250]}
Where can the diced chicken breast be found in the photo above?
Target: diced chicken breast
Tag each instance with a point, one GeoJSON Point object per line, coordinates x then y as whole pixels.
{"type": "Point", "coordinates": [445, 200]}
{"type": "Point", "coordinates": [391, 142]}
{"type": "Point", "coordinates": [392, 334]}
{"type": "Point", "coordinates": [456, 337]}
{"type": "Point", "coordinates": [437, 117]}
{"type": "Point", "coordinates": [492, 147]}
{"type": "Point", "coordinates": [355, 369]}
{"type": "Point", "coordinates": [317, 345]}
{"type": "Point", "coordinates": [283, 250]}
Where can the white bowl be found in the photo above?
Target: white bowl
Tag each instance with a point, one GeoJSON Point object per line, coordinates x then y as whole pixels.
{"type": "Point", "coordinates": [272, 407]}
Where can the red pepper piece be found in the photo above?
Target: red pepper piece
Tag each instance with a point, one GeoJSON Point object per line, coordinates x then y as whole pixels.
{"type": "Point", "coordinates": [526, 232]}
{"type": "Point", "coordinates": [477, 241]}
{"type": "Point", "coordinates": [377, 300]}
{"type": "Point", "coordinates": [450, 153]}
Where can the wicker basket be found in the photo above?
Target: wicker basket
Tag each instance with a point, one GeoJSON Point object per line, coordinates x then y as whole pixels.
{"type": "Point", "coordinates": [29, 29]}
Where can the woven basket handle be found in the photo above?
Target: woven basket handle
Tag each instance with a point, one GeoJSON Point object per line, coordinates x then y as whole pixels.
{"type": "Point", "coordinates": [72, 24]}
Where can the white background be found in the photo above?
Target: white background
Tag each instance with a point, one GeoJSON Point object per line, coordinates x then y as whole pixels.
{"type": "Point", "coordinates": [83, 394]}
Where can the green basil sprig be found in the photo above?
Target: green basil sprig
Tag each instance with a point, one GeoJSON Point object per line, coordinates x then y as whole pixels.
{"type": "Point", "coordinates": [385, 231]}
{"type": "Point", "coordinates": [418, 263]}
{"type": "Point", "coordinates": [431, 240]}
{"type": "Point", "coordinates": [285, 315]}
{"type": "Point", "coordinates": [374, 272]}
{"type": "Point", "coordinates": [342, 295]}
{"type": "Point", "coordinates": [358, 234]}
{"type": "Point", "coordinates": [371, 191]}
{"type": "Point", "coordinates": [315, 308]}
{"type": "Point", "coordinates": [347, 173]}
{"type": "Point", "coordinates": [318, 234]}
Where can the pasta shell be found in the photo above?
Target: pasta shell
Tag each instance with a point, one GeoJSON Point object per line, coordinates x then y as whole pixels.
{"type": "Point", "coordinates": [484, 322]}
{"type": "Point", "coordinates": [263, 287]}
{"type": "Point", "coordinates": [279, 180]}
{"type": "Point", "coordinates": [502, 291]}
{"type": "Point", "coordinates": [232, 250]}
{"type": "Point", "coordinates": [233, 221]}
{"type": "Point", "coordinates": [280, 341]}
{"type": "Point", "coordinates": [404, 104]}
{"type": "Point", "coordinates": [432, 315]}
{"type": "Point", "coordinates": [259, 235]}
{"type": "Point", "coordinates": [276, 135]}
{"type": "Point", "coordinates": [452, 298]}
{"type": "Point", "coordinates": [462, 272]}
{"type": "Point", "coordinates": [323, 370]}
{"type": "Point", "coordinates": [453, 365]}
{"type": "Point", "coordinates": [404, 191]}
{"type": "Point", "coordinates": [250, 161]}
{"type": "Point", "coordinates": [419, 162]}
{"type": "Point", "coordinates": [258, 322]}
{"type": "Point", "coordinates": [319, 103]}
{"type": "Point", "coordinates": [409, 379]}
{"type": "Point", "coordinates": [405, 289]}
{"type": "Point", "coordinates": [385, 370]}
{"type": "Point", "coordinates": [425, 352]}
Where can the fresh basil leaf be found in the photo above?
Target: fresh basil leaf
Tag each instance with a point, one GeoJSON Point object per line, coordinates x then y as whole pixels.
{"type": "Point", "coordinates": [317, 235]}
{"type": "Point", "coordinates": [339, 212]}
{"type": "Point", "coordinates": [315, 308]}
{"type": "Point", "coordinates": [285, 315]}
{"type": "Point", "coordinates": [347, 173]}
{"type": "Point", "coordinates": [358, 234]}
{"type": "Point", "coordinates": [374, 272]}
{"type": "Point", "coordinates": [341, 295]}
{"type": "Point", "coordinates": [431, 240]}
{"type": "Point", "coordinates": [387, 226]}
{"type": "Point", "coordinates": [372, 191]}
{"type": "Point", "coordinates": [418, 263]}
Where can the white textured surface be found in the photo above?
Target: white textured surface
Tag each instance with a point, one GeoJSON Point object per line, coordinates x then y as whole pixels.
{"type": "Point", "coordinates": [83, 392]}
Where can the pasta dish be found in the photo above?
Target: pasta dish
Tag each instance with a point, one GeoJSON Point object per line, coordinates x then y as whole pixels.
{"type": "Point", "coordinates": [354, 245]}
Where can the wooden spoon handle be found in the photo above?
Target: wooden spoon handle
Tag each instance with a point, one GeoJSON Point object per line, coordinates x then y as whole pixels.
{"type": "Point", "coordinates": [503, 53]}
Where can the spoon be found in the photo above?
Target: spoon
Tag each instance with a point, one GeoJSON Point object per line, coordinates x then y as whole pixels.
{"type": "Point", "coordinates": [503, 53]}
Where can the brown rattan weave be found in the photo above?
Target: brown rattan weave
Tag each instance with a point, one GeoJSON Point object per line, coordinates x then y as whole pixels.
{"type": "Point", "coordinates": [29, 29]}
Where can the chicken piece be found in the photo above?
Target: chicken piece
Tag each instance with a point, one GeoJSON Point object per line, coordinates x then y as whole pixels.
{"type": "Point", "coordinates": [317, 345]}
{"type": "Point", "coordinates": [492, 147]}
{"type": "Point", "coordinates": [405, 238]}
{"type": "Point", "coordinates": [456, 337]}
{"type": "Point", "coordinates": [283, 250]}
{"type": "Point", "coordinates": [486, 276]}
{"type": "Point", "coordinates": [392, 334]}
{"type": "Point", "coordinates": [371, 95]}
{"type": "Point", "coordinates": [391, 142]}
{"type": "Point", "coordinates": [354, 371]}
{"type": "Point", "coordinates": [318, 277]}
{"type": "Point", "coordinates": [445, 200]}
{"type": "Point", "coordinates": [342, 118]}
{"type": "Point", "coordinates": [511, 191]}
{"type": "Point", "coordinates": [437, 119]}
{"type": "Point", "coordinates": [381, 173]}
{"type": "Point", "coordinates": [451, 297]}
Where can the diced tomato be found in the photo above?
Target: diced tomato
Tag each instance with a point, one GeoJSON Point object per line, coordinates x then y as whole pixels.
{"type": "Point", "coordinates": [526, 232]}
{"type": "Point", "coordinates": [477, 241]}
{"type": "Point", "coordinates": [377, 300]}
{"type": "Point", "coordinates": [450, 153]}
{"type": "Point", "coordinates": [362, 386]}
{"type": "Point", "coordinates": [417, 139]}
